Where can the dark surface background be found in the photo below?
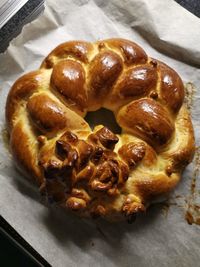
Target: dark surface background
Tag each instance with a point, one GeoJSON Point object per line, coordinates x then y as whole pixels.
{"type": "Point", "coordinates": [11, 253]}
{"type": "Point", "coordinates": [14, 26]}
{"type": "Point", "coordinates": [191, 5]}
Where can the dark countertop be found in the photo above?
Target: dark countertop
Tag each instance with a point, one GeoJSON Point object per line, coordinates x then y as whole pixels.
{"type": "Point", "coordinates": [191, 5]}
{"type": "Point", "coordinates": [14, 26]}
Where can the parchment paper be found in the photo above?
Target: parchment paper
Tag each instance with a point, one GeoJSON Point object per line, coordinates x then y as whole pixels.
{"type": "Point", "coordinates": [167, 32]}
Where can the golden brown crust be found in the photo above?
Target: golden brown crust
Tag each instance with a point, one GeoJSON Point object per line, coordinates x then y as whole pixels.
{"type": "Point", "coordinates": [131, 52]}
{"type": "Point", "coordinates": [68, 78]}
{"type": "Point", "coordinates": [151, 121]}
{"type": "Point", "coordinates": [171, 88]}
{"type": "Point", "coordinates": [24, 151]}
{"type": "Point", "coordinates": [21, 90]}
{"type": "Point", "coordinates": [96, 172]}
{"type": "Point", "coordinates": [46, 113]}
{"type": "Point", "coordinates": [137, 81]}
{"type": "Point", "coordinates": [104, 71]}
{"type": "Point", "coordinates": [73, 49]}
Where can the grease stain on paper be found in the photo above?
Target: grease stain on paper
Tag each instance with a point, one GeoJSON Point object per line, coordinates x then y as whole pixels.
{"type": "Point", "coordinates": [190, 90]}
{"type": "Point", "coordinates": [192, 214]}
{"type": "Point", "coordinates": [5, 138]}
{"type": "Point", "coordinates": [190, 203]}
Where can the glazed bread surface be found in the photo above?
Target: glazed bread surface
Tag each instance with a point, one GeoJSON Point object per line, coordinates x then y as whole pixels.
{"type": "Point", "coordinates": [96, 172]}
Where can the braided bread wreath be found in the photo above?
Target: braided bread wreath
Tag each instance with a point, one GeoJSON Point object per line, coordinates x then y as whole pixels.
{"type": "Point", "coordinates": [96, 172]}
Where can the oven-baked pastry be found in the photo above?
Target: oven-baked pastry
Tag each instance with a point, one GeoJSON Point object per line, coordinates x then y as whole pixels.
{"type": "Point", "coordinates": [97, 172]}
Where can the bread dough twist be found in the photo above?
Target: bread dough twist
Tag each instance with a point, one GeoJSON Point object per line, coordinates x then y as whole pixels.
{"type": "Point", "coordinates": [96, 172]}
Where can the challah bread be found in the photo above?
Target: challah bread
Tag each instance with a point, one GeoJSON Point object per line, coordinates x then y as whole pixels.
{"type": "Point", "coordinates": [97, 172]}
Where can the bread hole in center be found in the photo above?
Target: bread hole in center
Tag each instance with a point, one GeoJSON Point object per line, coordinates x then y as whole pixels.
{"type": "Point", "coordinates": [104, 117]}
